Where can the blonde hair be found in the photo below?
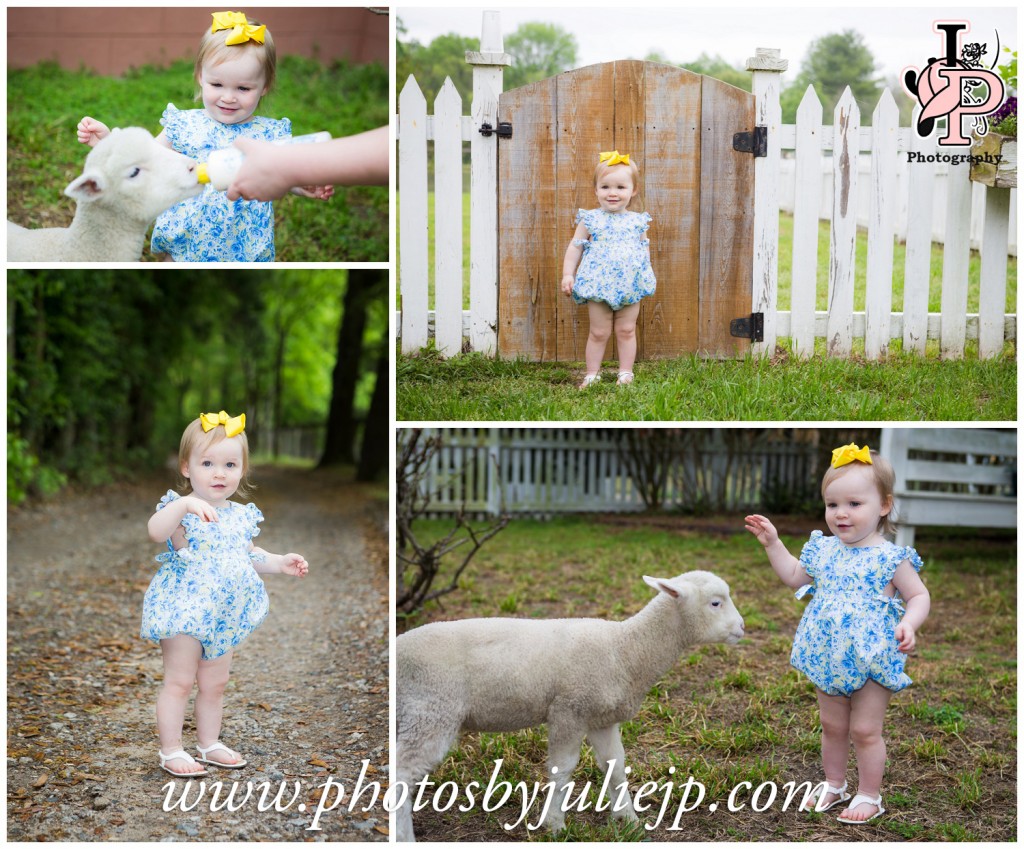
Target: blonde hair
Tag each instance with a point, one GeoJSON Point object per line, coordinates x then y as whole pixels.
{"type": "Point", "coordinates": [196, 439]}
{"type": "Point", "coordinates": [885, 479]}
{"type": "Point", "coordinates": [634, 170]}
{"type": "Point", "coordinates": [214, 51]}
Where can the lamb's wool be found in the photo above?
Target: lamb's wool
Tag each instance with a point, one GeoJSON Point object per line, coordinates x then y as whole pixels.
{"type": "Point", "coordinates": [128, 180]}
{"type": "Point", "coordinates": [580, 676]}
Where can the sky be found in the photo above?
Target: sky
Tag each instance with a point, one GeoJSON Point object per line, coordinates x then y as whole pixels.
{"type": "Point", "coordinates": [897, 37]}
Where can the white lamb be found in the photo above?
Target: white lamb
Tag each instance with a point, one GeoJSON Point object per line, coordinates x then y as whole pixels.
{"type": "Point", "coordinates": [128, 180]}
{"type": "Point", "coordinates": [580, 676]}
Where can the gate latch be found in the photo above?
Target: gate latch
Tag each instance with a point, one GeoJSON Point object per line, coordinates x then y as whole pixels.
{"type": "Point", "coordinates": [755, 142]}
{"type": "Point", "coordinates": [751, 328]}
{"type": "Point", "coordinates": [504, 130]}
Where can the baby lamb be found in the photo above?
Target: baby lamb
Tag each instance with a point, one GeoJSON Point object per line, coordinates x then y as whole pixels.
{"type": "Point", "coordinates": [128, 180]}
{"type": "Point", "coordinates": [580, 676]}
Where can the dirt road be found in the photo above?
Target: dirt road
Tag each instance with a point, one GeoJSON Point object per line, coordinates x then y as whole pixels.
{"type": "Point", "coordinates": [307, 701]}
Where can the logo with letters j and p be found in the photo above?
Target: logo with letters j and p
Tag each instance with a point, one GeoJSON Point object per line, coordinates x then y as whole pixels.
{"type": "Point", "coordinates": [955, 85]}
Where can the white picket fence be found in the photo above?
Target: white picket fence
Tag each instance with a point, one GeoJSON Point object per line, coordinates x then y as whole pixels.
{"type": "Point", "coordinates": [546, 471]}
{"type": "Point", "coordinates": [841, 146]}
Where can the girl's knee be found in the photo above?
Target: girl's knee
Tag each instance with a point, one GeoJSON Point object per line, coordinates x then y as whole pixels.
{"type": "Point", "coordinates": [865, 733]}
{"type": "Point", "coordinates": [834, 727]}
{"type": "Point", "coordinates": [600, 334]}
{"type": "Point", "coordinates": [625, 332]}
{"type": "Point", "coordinates": [180, 688]}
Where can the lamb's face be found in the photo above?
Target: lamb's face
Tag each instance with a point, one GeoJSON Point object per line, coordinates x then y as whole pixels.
{"type": "Point", "coordinates": [129, 171]}
{"type": "Point", "coordinates": [707, 601]}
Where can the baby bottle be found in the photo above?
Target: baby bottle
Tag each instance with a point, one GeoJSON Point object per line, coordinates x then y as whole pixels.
{"type": "Point", "coordinates": [220, 169]}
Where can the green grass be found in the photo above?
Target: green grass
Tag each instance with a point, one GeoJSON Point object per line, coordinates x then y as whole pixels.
{"type": "Point", "coordinates": [902, 387]}
{"type": "Point", "coordinates": [44, 156]}
{"type": "Point", "coordinates": [727, 714]}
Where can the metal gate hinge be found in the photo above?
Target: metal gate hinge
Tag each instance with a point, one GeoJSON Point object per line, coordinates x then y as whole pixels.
{"type": "Point", "coordinates": [504, 130]}
{"type": "Point", "coordinates": [755, 142]}
{"type": "Point", "coordinates": [751, 328]}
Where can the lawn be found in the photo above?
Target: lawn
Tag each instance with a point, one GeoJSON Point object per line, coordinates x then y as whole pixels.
{"type": "Point", "coordinates": [44, 156]}
{"type": "Point", "coordinates": [903, 387]}
{"type": "Point", "coordinates": [727, 714]}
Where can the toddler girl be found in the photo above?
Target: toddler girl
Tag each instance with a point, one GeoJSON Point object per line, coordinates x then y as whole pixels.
{"type": "Point", "coordinates": [615, 272]}
{"type": "Point", "coordinates": [854, 636]}
{"type": "Point", "coordinates": [235, 66]}
{"type": "Point", "coordinates": [207, 596]}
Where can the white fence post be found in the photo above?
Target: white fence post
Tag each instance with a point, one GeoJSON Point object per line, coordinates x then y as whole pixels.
{"type": "Point", "coordinates": [488, 70]}
{"type": "Point", "coordinates": [767, 68]}
{"type": "Point", "coordinates": [991, 324]}
{"type": "Point", "coordinates": [885, 124]}
{"type": "Point", "coordinates": [917, 267]}
{"type": "Point", "coordinates": [412, 189]}
{"type": "Point", "coordinates": [448, 220]}
{"type": "Point", "coordinates": [806, 199]}
{"type": "Point", "coordinates": [845, 154]}
{"type": "Point", "coordinates": [955, 262]}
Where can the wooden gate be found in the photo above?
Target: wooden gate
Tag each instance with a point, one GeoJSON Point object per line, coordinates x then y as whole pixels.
{"type": "Point", "coordinates": [697, 188]}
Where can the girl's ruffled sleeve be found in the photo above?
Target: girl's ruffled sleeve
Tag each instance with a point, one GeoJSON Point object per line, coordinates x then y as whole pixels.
{"type": "Point", "coordinates": [273, 128]}
{"type": "Point", "coordinates": [583, 216]}
{"type": "Point", "coordinates": [906, 552]}
{"type": "Point", "coordinates": [645, 221]}
{"type": "Point", "coordinates": [173, 122]}
{"type": "Point", "coordinates": [167, 499]}
{"type": "Point", "coordinates": [253, 516]}
{"type": "Point", "coordinates": [811, 551]}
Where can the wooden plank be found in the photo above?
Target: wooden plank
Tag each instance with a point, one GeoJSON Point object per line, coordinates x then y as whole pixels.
{"type": "Point", "coordinates": [448, 220]}
{"type": "Point", "coordinates": [806, 199]}
{"type": "Point", "coordinates": [846, 129]}
{"type": "Point", "coordinates": [992, 306]}
{"type": "Point", "coordinates": [726, 218]}
{"type": "Point", "coordinates": [917, 267]}
{"type": "Point", "coordinates": [669, 320]}
{"type": "Point", "coordinates": [955, 259]}
{"type": "Point", "coordinates": [412, 189]}
{"type": "Point", "coordinates": [881, 226]}
{"type": "Point", "coordinates": [527, 263]}
{"type": "Point", "coordinates": [585, 127]}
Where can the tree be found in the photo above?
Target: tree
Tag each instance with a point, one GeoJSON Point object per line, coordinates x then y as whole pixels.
{"type": "Point", "coordinates": [712, 66]}
{"type": "Point", "coordinates": [445, 56]}
{"type": "Point", "coordinates": [538, 51]}
{"type": "Point", "coordinates": [832, 63]}
{"type": "Point", "coordinates": [373, 453]}
{"type": "Point", "coordinates": [364, 286]}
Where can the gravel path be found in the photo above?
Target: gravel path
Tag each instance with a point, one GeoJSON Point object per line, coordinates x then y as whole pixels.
{"type": "Point", "coordinates": [307, 701]}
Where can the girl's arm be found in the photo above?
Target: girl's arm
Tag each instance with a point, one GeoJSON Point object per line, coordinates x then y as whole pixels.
{"type": "Point", "coordinates": [918, 603]}
{"type": "Point", "coordinates": [166, 520]}
{"type": "Point", "coordinates": [162, 139]}
{"type": "Point", "coordinates": [789, 568]}
{"type": "Point", "coordinates": [289, 564]}
{"type": "Point", "coordinates": [572, 258]}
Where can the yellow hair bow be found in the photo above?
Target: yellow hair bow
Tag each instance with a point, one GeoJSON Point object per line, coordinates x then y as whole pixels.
{"type": "Point", "coordinates": [232, 425]}
{"type": "Point", "coordinates": [850, 454]}
{"type": "Point", "coordinates": [613, 157]}
{"type": "Point", "coordinates": [242, 30]}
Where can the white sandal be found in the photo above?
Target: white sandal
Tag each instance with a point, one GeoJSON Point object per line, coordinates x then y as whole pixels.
{"type": "Point", "coordinates": [862, 799]}
{"type": "Point", "coordinates": [590, 380]}
{"type": "Point", "coordinates": [841, 793]}
{"type": "Point", "coordinates": [625, 378]}
{"type": "Point", "coordinates": [183, 755]}
{"type": "Point", "coordinates": [216, 747]}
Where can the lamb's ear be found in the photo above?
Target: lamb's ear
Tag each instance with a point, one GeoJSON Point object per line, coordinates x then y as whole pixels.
{"type": "Point", "coordinates": [86, 187]}
{"type": "Point", "coordinates": [663, 586]}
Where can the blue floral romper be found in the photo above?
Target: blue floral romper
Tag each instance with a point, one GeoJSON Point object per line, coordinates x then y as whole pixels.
{"type": "Point", "coordinates": [209, 227]}
{"type": "Point", "coordinates": [846, 635]}
{"type": "Point", "coordinates": [209, 590]}
{"type": "Point", "coordinates": [616, 263]}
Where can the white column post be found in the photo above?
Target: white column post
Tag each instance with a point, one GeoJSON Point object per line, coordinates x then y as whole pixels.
{"type": "Point", "coordinates": [767, 67]}
{"type": "Point", "coordinates": [488, 69]}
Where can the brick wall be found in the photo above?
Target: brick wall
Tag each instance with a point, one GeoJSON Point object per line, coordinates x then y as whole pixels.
{"type": "Point", "coordinates": [112, 40]}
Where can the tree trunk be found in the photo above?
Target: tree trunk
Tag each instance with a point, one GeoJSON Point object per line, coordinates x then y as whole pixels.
{"type": "Point", "coordinates": [373, 458]}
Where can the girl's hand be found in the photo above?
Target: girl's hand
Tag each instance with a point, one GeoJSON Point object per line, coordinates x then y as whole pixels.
{"type": "Point", "coordinates": [906, 637]}
{"type": "Point", "coordinates": [314, 192]}
{"type": "Point", "coordinates": [294, 564]}
{"type": "Point", "coordinates": [567, 281]}
{"type": "Point", "coordinates": [91, 131]}
{"type": "Point", "coordinates": [201, 508]}
{"type": "Point", "coordinates": [761, 528]}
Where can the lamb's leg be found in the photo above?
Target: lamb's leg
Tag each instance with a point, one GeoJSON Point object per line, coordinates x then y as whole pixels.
{"type": "Point", "coordinates": [420, 747]}
{"type": "Point", "coordinates": [564, 741]}
{"type": "Point", "coordinates": [607, 744]}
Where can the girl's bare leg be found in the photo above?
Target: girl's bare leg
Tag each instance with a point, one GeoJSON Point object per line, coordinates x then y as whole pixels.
{"type": "Point", "coordinates": [600, 332]}
{"type": "Point", "coordinates": [625, 335]}
{"type": "Point", "coordinates": [834, 712]}
{"type": "Point", "coordinates": [867, 719]}
{"type": "Point", "coordinates": [181, 661]}
{"type": "Point", "coordinates": [213, 678]}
